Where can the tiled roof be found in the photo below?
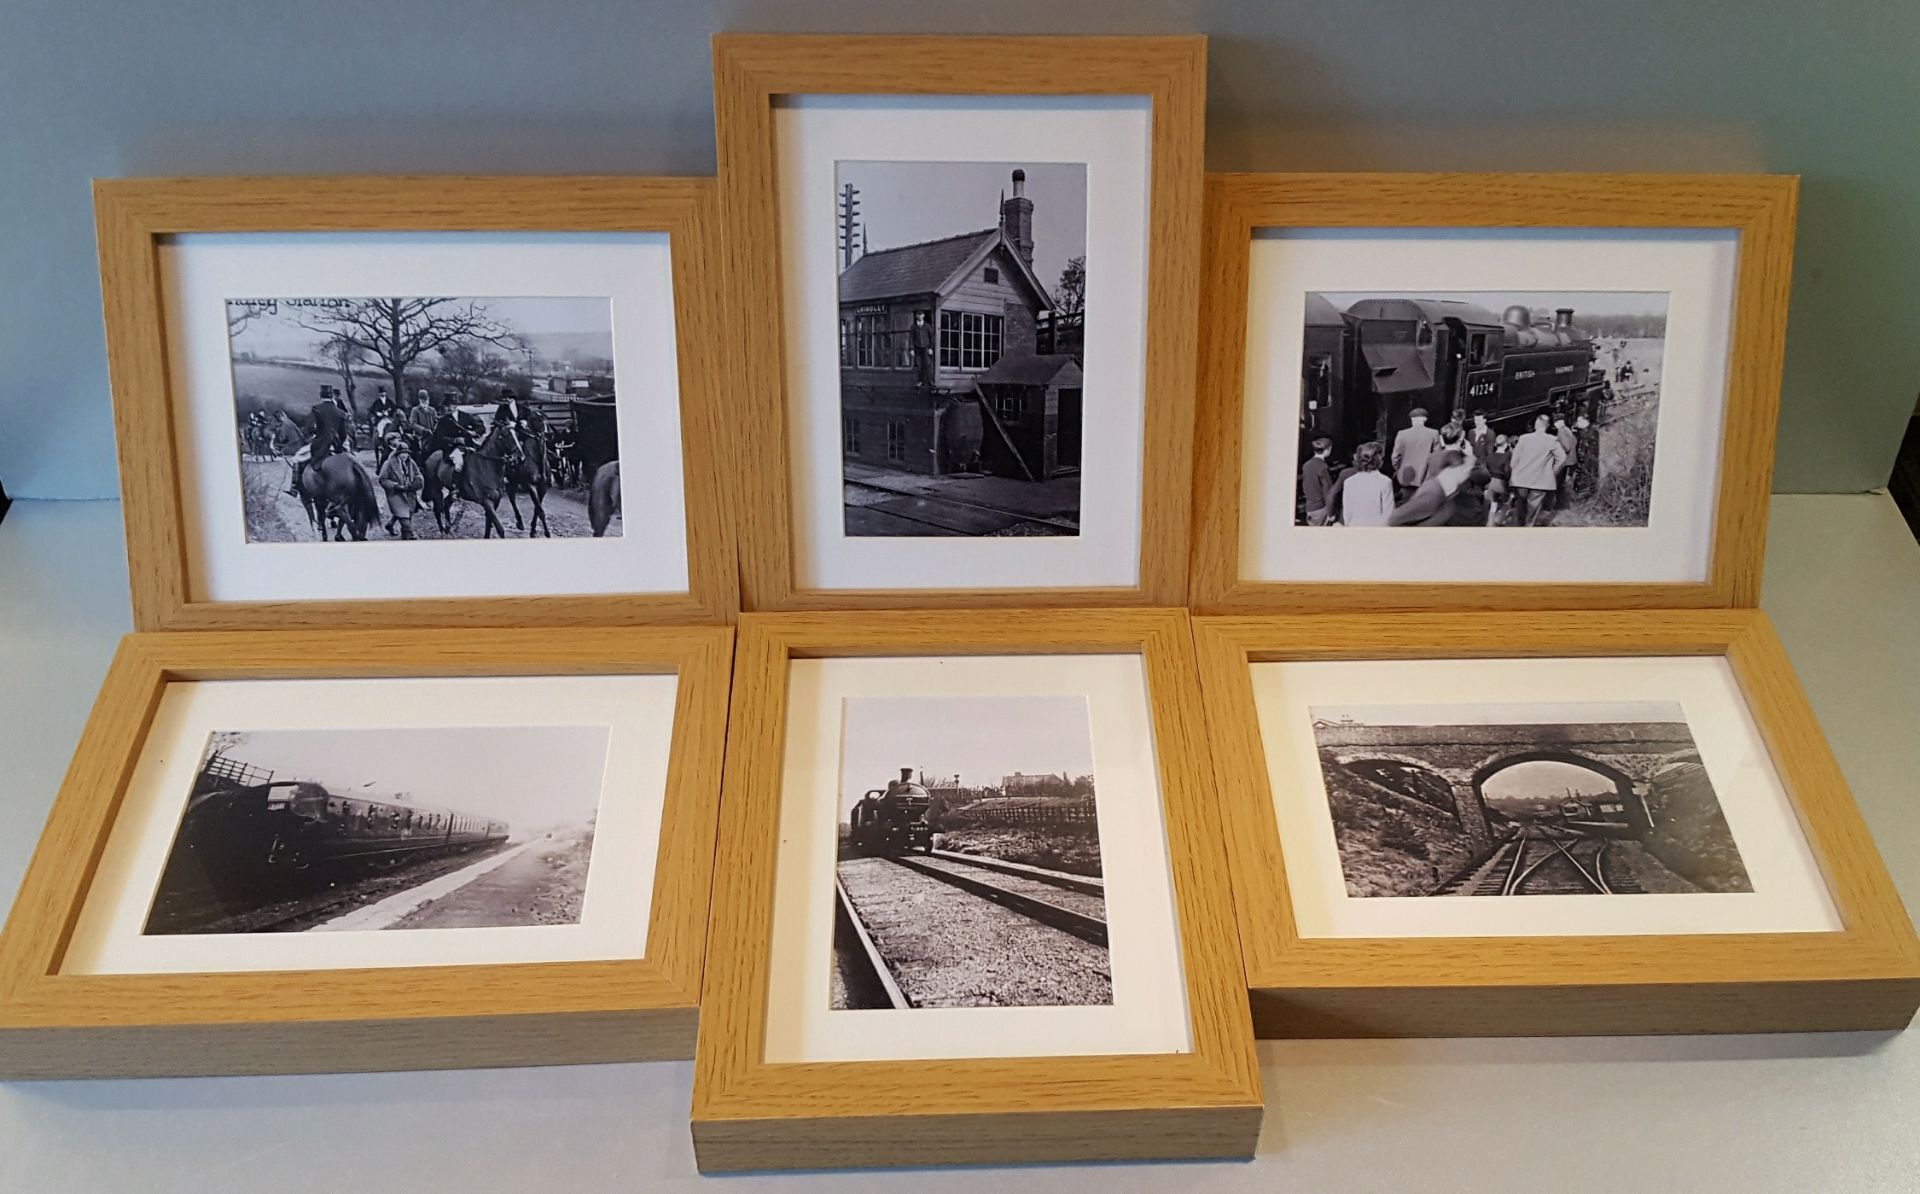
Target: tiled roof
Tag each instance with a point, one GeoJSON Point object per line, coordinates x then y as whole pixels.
{"type": "Point", "coordinates": [909, 269]}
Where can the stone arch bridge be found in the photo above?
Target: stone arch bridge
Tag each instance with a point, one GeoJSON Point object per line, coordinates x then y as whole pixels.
{"type": "Point", "coordinates": [1450, 763]}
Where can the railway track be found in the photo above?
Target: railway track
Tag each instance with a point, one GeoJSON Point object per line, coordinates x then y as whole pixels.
{"type": "Point", "coordinates": [872, 974]}
{"type": "Point", "coordinates": [316, 905]}
{"type": "Point", "coordinates": [947, 515]}
{"type": "Point", "coordinates": [1540, 861]}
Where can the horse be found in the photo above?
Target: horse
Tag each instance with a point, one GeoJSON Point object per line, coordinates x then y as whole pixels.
{"type": "Point", "coordinates": [526, 470]}
{"type": "Point", "coordinates": [603, 497]}
{"type": "Point", "coordinates": [336, 490]}
{"type": "Point", "coordinates": [483, 481]}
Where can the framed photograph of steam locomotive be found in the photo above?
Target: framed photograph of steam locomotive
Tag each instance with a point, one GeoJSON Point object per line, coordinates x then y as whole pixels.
{"type": "Point", "coordinates": [976, 874]}
{"type": "Point", "coordinates": [968, 352]}
{"type": "Point", "coordinates": [1492, 824]}
{"type": "Point", "coordinates": [1492, 391]}
{"type": "Point", "coordinates": [300, 851]}
{"type": "Point", "coordinates": [384, 401]}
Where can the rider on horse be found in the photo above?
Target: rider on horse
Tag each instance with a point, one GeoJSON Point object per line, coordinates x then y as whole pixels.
{"type": "Point", "coordinates": [332, 432]}
{"type": "Point", "coordinates": [451, 437]}
{"type": "Point", "coordinates": [518, 417]}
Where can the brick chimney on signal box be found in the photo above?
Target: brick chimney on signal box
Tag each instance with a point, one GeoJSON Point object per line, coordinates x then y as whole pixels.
{"type": "Point", "coordinates": [1016, 217]}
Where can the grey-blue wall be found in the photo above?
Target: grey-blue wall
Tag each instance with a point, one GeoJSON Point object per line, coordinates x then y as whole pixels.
{"type": "Point", "coordinates": [1829, 91]}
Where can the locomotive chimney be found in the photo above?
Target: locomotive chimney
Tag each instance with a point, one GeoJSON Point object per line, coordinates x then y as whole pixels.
{"type": "Point", "coordinates": [1563, 319]}
{"type": "Point", "coordinates": [1016, 217]}
{"type": "Point", "coordinates": [906, 775]}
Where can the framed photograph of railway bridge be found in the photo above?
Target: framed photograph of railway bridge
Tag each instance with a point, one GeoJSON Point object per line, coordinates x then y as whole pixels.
{"type": "Point", "coordinates": [967, 272]}
{"type": "Point", "coordinates": [976, 876]}
{"type": "Point", "coordinates": [362, 850]}
{"type": "Point", "coordinates": [403, 401]}
{"type": "Point", "coordinates": [1492, 391]}
{"type": "Point", "coordinates": [1493, 824]}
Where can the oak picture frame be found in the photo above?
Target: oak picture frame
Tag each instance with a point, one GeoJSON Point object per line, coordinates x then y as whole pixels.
{"type": "Point", "coordinates": [752, 70]}
{"type": "Point", "coordinates": [1760, 208]}
{"type": "Point", "coordinates": [55, 1025]}
{"type": "Point", "coordinates": [136, 216]}
{"type": "Point", "coordinates": [1864, 977]}
{"type": "Point", "coordinates": [751, 1114]}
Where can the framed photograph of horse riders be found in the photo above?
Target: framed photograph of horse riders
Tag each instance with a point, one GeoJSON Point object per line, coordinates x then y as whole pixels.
{"type": "Point", "coordinates": [417, 401]}
{"type": "Point", "coordinates": [1512, 824]}
{"type": "Point", "coordinates": [349, 850]}
{"type": "Point", "coordinates": [965, 271]}
{"type": "Point", "coordinates": [1525, 391]}
{"type": "Point", "coordinates": [922, 813]}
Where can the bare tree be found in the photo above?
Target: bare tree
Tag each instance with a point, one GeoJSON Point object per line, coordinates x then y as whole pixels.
{"type": "Point", "coordinates": [464, 366]}
{"type": "Point", "coordinates": [1070, 297]}
{"type": "Point", "coordinates": [393, 333]}
{"type": "Point", "coordinates": [343, 354]}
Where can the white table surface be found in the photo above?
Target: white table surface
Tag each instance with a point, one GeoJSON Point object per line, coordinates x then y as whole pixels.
{"type": "Point", "coordinates": [1799, 1113]}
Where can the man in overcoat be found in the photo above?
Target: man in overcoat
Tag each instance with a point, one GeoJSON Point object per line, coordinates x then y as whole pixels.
{"type": "Point", "coordinates": [1411, 447]}
{"type": "Point", "coordinates": [1534, 473]}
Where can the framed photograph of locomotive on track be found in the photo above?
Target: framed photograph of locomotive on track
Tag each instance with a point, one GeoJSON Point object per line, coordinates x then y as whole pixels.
{"type": "Point", "coordinates": [1488, 391]}
{"type": "Point", "coordinates": [977, 877]}
{"type": "Point", "coordinates": [407, 401]}
{"type": "Point", "coordinates": [296, 851]}
{"type": "Point", "coordinates": [967, 274]}
{"type": "Point", "coordinates": [1496, 824]}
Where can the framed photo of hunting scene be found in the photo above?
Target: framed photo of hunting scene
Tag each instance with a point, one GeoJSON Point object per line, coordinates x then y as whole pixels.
{"type": "Point", "coordinates": [303, 851]}
{"type": "Point", "coordinates": [923, 816]}
{"type": "Point", "coordinates": [402, 401]}
{"type": "Point", "coordinates": [1505, 391]}
{"type": "Point", "coordinates": [967, 286]}
{"type": "Point", "coordinates": [1464, 824]}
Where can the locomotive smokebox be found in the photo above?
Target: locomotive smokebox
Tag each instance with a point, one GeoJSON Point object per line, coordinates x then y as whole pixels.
{"type": "Point", "coordinates": [1517, 316]}
{"type": "Point", "coordinates": [1563, 319]}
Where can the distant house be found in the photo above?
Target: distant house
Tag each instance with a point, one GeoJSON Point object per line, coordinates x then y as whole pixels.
{"type": "Point", "coordinates": [992, 403]}
{"type": "Point", "coordinates": [1020, 784]}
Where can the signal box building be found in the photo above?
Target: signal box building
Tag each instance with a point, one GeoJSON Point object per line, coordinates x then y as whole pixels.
{"type": "Point", "coordinates": [977, 396]}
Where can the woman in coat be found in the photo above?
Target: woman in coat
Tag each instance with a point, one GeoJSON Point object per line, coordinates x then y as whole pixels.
{"type": "Point", "coordinates": [402, 480]}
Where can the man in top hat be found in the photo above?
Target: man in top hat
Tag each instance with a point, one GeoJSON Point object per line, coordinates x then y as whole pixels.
{"type": "Point", "coordinates": [332, 432]}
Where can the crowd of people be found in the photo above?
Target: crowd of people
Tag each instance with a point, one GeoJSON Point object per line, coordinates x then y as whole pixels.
{"type": "Point", "coordinates": [1454, 475]}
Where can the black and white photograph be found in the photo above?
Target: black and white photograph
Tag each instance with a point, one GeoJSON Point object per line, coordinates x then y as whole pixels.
{"type": "Point", "coordinates": [1479, 408]}
{"type": "Point", "coordinates": [1546, 799]}
{"type": "Point", "coordinates": [968, 870]}
{"type": "Point", "coordinates": [425, 418]}
{"type": "Point", "coordinates": [289, 831]}
{"type": "Point", "coordinates": [962, 290]}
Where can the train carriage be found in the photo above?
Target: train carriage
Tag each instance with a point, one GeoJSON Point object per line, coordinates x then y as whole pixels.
{"type": "Point", "coordinates": [245, 838]}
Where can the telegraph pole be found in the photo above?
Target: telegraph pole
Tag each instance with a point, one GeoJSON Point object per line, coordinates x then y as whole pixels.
{"type": "Point", "coordinates": [849, 221]}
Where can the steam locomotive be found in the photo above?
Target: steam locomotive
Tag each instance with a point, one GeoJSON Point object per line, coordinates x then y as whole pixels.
{"type": "Point", "coordinates": [1365, 369]}
{"type": "Point", "coordinates": [237, 840]}
{"type": "Point", "coordinates": [893, 820]}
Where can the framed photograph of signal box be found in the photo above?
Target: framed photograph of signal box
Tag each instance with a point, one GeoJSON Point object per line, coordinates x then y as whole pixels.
{"type": "Point", "coordinates": [298, 851]}
{"type": "Point", "coordinates": [977, 909]}
{"type": "Point", "coordinates": [1488, 391]}
{"type": "Point", "coordinates": [1506, 824]}
{"type": "Point", "coordinates": [965, 271]}
{"type": "Point", "coordinates": [418, 401]}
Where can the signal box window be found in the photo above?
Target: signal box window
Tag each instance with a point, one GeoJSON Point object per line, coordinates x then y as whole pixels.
{"type": "Point", "coordinates": [896, 441]}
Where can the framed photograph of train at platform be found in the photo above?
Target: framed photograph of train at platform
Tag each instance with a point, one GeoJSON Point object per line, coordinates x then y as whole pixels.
{"type": "Point", "coordinates": [1497, 824]}
{"type": "Point", "coordinates": [405, 401]}
{"type": "Point", "coordinates": [967, 277]}
{"type": "Point", "coordinates": [1488, 391]}
{"type": "Point", "coordinates": [286, 851]}
{"type": "Point", "coordinates": [977, 875]}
